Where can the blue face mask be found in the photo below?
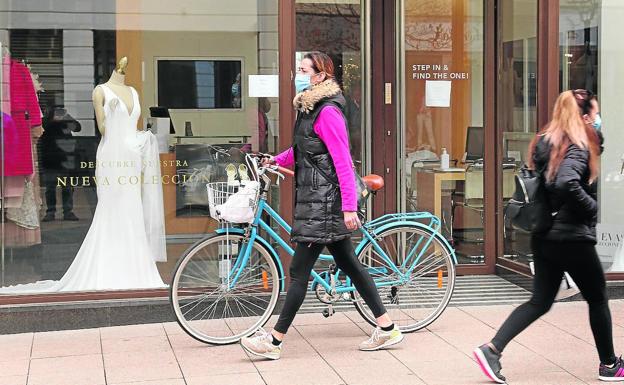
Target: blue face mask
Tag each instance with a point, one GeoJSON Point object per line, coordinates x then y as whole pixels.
{"type": "Point", "coordinates": [302, 82]}
{"type": "Point", "coordinates": [597, 122]}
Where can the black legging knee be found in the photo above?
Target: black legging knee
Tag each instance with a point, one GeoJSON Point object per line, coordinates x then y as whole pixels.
{"type": "Point", "coordinates": [301, 267]}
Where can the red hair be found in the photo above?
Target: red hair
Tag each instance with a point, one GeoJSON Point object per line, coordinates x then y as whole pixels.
{"type": "Point", "coordinates": [321, 62]}
{"type": "Point", "coordinates": [566, 128]}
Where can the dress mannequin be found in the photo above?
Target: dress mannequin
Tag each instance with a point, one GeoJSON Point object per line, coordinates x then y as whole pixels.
{"type": "Point", "coordinates": [117, 83]}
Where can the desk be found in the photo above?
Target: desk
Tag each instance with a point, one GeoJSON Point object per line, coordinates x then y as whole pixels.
{"type": "Point", "coordinates": [429, 189]}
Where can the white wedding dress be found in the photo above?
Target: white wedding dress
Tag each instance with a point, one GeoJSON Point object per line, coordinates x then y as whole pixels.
{"type": "Point", "coordinates": [127, 235]}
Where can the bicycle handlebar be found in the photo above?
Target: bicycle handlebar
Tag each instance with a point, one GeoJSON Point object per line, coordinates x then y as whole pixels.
{"type": "Point", "coordinates": [285, 171]}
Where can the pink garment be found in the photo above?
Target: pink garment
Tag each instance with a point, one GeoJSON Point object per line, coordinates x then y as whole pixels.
{"type": "Point", "coordinates": [330, 127]}
{"type": "Point", "coordinates": [25, 114]}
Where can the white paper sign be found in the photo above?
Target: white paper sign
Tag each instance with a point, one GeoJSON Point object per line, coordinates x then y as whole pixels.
{"type": "Point", "coordinates": [263, 86]}
{"type": "Point", "coordinates": [438, 93]}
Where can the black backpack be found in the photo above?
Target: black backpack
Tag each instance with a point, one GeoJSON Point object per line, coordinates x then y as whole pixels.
{"type": "Point", "coordinates": [529, 209]}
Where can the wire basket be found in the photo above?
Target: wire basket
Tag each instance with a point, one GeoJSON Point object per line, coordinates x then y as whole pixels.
{"type": "Point", "coordinates": [231, 203]}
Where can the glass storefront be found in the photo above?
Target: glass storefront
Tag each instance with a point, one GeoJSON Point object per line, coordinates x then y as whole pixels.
{"type": "Point", "coordinates": [442, 115]}
{"type": "Point", "coordinates": [592, 57]}
{"type": "Point", "coordinates": [516, 104]}
{"type": "Point", "coordinates": [112, 178]}
{"type": "Point", "coordinates": [105, 160]}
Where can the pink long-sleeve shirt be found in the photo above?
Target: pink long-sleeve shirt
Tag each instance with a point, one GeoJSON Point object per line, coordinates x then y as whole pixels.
{"type": "Point", "coordinates": [330, 127]}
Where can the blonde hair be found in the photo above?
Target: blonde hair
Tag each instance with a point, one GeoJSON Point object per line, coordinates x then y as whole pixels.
{"type": "Point", "coordinates": [567, 127]}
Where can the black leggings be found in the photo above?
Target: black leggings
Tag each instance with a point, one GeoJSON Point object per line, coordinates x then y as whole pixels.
{"type": "Point", "coordinates": [305, 256]}
{"type": "Point", "coordinates": [581, 261]}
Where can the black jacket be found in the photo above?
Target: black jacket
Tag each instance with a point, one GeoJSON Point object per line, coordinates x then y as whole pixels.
{"type": "Point", "coordinates": [318, 216]}
{"type": "Point", "coordinates": [570, 195]}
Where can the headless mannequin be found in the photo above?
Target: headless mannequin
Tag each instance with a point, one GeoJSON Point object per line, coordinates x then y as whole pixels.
{"type": "Point", "coordinates": [117, 84]}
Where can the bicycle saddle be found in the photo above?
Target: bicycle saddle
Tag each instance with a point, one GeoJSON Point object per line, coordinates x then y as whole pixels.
{"type": "Point", "coordinates": [373, 181]}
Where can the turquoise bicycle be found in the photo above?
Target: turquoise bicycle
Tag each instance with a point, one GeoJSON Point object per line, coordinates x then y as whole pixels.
{"type": "Point", "coordinates": [227, 285]}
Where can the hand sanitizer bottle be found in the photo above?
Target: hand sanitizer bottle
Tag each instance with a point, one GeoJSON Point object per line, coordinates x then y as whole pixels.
{"type": "Point", "coordinates": [444, 160]}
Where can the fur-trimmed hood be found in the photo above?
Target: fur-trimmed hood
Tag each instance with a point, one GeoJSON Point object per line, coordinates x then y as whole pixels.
{"type": "Point", "coordinates": [306, 100]}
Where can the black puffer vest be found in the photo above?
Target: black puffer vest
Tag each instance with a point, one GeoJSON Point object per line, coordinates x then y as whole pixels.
{"type": "Point", "coordinates": [318, 205]}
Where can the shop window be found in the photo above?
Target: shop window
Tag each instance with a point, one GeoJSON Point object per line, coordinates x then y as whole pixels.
{"type": "Point", "coordinates": [76, 208]}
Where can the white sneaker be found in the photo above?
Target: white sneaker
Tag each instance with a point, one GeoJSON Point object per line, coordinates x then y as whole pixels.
{"type": "Point", "coordinates": [261, 344]}
{"type": "Point", "coordinates": [381, 339]}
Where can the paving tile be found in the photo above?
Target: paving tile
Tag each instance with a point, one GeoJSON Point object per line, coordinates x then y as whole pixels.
{"type": "Point", "coordinates": [166, 381]}
{"type": "Point", "coordinates": [15, 346]}
{"type": "Point", "coordinates": [136, 344]}
{"type": "Point", "coordinates": [464, 371]}
{"type": "Point", "coordinates": [214, 360]}
{"type": "Point", "coordinates": [455, 319]}
{"type": "Point", "coordinates": [425, 347]}
{"type": "Point", "coordinates": [140, 366]}
{"type": "Point", "coordinates": [551, 378]}
{"type": "Point", "coordinates": [314, 363]}
{"type": "Point", "coordinates": [302, 376]}
{"type": "Point", "coordinates": [387, 373]}
{"type": "Point", "coordinates": [14, 368]}
{"type": "Point", "coordinates": [66, 343]}
{"type": "Point", "coordinates": [492, 316]}
{"type": "Point", "coordinates": [13, 380]}
{"type": "Point", "coordinates": [131, 331]}
{"type": "Point", "coordinates": [76, 370]}
{"type": "Point", "coordinates": [227, 379]}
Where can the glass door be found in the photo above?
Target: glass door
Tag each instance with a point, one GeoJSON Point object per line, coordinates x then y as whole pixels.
{"type": "Point", "coordinates": [442, 144]}
{"type": "Point", "coordinates": [516, 105]}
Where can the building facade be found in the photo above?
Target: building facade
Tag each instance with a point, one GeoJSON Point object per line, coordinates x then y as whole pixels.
{"type": "Point", "coordinates": [474, 79]}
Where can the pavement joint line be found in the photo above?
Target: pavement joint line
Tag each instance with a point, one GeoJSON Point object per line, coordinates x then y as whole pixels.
{"type": "Point", "coordinates": [32, 344]}
{"type": "Point", "coordinates": [102, 354]}
{"type": "Point", "coordinates": [320, 355]}
{"type": "Point", "coordinates": [173, 351]}
{"type": "Point", "coordinates": [253, 362]}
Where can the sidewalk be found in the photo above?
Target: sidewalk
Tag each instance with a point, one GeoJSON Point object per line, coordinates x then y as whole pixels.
{"type": "Point", "coordinates": [317, 351]}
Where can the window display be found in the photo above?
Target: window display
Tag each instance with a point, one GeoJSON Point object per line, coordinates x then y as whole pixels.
{"type": "Point", "coordinates": [591, 58]}
{"type": "Point", "coordinates": [107, 120]}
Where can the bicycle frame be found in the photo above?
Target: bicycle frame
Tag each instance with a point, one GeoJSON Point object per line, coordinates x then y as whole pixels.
{"type": "Point", "coordinates": [369, 231]}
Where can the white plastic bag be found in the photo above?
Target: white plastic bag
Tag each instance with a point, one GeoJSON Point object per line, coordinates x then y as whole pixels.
{"type": "Point", "coordinates": [239, 207]}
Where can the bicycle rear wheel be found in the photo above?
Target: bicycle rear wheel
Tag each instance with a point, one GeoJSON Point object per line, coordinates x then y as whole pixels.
{"type": "Point", "coordinates": [209, 303]}
{"type": "Point", "coordinates": [417, 300]}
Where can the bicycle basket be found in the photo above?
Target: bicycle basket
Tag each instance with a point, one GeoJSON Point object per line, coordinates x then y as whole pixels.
{"type": "Point", "coordinates": [234, 204]}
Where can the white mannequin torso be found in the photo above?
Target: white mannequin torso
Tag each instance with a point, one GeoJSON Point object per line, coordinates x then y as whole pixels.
{"type": "Point", "coordinates": [116, 84]}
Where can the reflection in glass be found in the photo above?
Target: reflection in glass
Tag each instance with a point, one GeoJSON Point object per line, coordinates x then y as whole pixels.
{"type": "Point", "coordinates": [205, 84]}
{"type": "Point", "coordinates": [334, 27]}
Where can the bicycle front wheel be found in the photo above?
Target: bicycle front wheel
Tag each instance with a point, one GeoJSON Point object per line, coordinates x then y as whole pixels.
{"type": "Point", "coordinates": [217, 296]}
{"type": "Point", "coordinates": [415, 281]}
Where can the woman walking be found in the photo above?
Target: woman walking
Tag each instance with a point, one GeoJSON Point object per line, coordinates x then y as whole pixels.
{"type": "Point", "coordinates": [566, 153]}
{"type": "Point", "coordinates": [325, 214]}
